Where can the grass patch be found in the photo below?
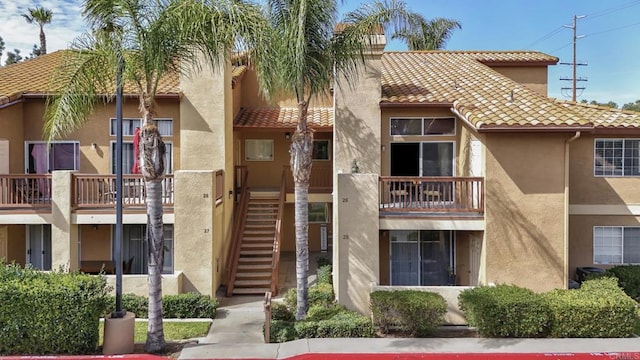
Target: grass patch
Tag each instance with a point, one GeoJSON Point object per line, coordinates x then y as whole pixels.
{"type": "Point", "coordinates": [173, 331]}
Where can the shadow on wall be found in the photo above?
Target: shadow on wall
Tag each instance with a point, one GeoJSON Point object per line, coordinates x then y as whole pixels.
{"type": "Point", "coordinates": [521, 232]}
{"type": "Point", "coordinates": [358, 142]}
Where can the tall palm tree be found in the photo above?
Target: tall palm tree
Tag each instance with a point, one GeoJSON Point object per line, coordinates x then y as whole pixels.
{"type": "Point", "coordinates": [41, 17]}
{"type": "Point", "coordinates": [428, 34]}
{"type": "Point", "coordinates": [299, 61]}
{"type": "Point", "coordinates": [150, 39]}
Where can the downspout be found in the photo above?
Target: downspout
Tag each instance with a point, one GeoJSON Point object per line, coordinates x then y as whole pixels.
{"type": "Point", "coordinates": [566, 208]}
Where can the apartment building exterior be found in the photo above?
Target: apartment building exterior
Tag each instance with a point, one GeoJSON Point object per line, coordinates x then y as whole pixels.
{"type": "Point", "coordinates": [436, 170]}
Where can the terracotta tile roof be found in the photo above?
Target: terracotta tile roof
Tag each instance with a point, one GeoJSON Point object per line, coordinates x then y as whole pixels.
{"type": "Point", "coordinates": [602, 116]}
{"type": "Point", "coordinates": [283, 118]}
{"type": "Point", "coordinates": [484, 97]}
{"type": "Point", "coordinates": [511, 57]}
{"type": "Point", "coordinates": [33, 77]}
{"type": "Point", "coordinates": [237, 73]}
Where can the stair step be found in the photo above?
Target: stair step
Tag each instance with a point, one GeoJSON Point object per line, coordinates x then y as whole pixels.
{"type": "Point", "coordinates": [258, 226]}
{"type": "Point", "coordinates": [267, 219]}
{"type": "Point", "coordinates": [256, 252]}
{"type": "Point", "coordinates": [255, 260]}
{"type": "Point", "coordinates": [249, 267]}
{"type": "Point", "coordinates": [250, 291]}
{"type": "Point", "coordinates": [244, 275]}
{"type": "Point", "coordinates": [259, 232]}
{"type": "Point", "coordinates": [247, 283]}
{"type": "Point", "coordinates": [257, 245]}
{"type": "Point", "coordinates": [258, 239]}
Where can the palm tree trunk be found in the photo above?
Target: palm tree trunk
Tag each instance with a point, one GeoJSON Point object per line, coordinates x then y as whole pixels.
{"type": "Point", "coordinates": [301, 161]}
{"type": "Point", "coordinates": [43, 42]}
{"type": "Point", "coordinates": [155, 331]}
{"type": "Point", "coordinates": [152, 150]}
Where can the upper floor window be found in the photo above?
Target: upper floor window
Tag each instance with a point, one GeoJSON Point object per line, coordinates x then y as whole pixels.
{"type": "Point", "coordinates": [258, 149]}
{"type": "Point", "coordinates": [321, 150]}
{"type": "Point", "coordinates": [423, 126]}
{"type": "Point", "coordinates": [128, 157]}
{"type": "Point", "coordinates": [59, 155]}
{"type": "Point", "coordinates": [617, 157]}
{"type": "Point", "coordinates": [616, 245]}
{"type": "Point", "coordinates": [129, 125]}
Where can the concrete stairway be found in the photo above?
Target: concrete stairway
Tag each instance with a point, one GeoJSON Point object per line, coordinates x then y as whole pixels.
{"type": "Point", "coordinates": [253, 274]}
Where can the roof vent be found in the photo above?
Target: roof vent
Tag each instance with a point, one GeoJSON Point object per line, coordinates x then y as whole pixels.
{"type": "Point", "coordinates": [513, 95]}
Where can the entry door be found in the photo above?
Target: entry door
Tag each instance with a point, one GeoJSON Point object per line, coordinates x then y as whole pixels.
{"type": "Point", "coordinates": [39, 246]}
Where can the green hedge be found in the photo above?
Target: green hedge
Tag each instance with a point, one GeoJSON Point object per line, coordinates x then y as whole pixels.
{"type": "Point", "coordinates": [318, 294]}
{"type": "Point", "coordinates": [628, 279]}
{"type": "Point", "coordinates": [181, 306]}
{"type": "Point", "coordinates": [506, 311]}
{"type": "Point", "coordinates": [49, 313]}
{"type": "Point", "coordinates": [342, 324]}
{"type": "Point", "coordinates": [598, 309]}
{"type": "Point", "coordinates": [416, 312]}
{"type": "Point", "coordinates": [325, 274]}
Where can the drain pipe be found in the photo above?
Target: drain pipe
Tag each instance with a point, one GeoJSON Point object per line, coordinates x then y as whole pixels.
{"type": "Point", "coordinates": [566, 208]}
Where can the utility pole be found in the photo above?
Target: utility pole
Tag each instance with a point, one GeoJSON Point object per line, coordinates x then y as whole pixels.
{"type": "Point", "coordinates": [574, 79]}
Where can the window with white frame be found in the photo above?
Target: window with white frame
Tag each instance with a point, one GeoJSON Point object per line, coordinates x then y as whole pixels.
{"type": "Point", "coordinates": [422, 257]}
{"type": "Point", "coordinates": [617, 157]}
{"type": "Point", "coordinates": [423, 126]}
{"type": "Point", "coordinates": [258, 149]}
{"type": "Point", "coordinates": [129, 125]}
{"type": "Point", "coordinates": [58, 155]}
{"type": "Point", "coordinates": [616, 245]}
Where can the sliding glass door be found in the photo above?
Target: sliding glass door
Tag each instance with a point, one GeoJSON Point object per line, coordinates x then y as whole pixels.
{"type": "Point", "coordinates": [422, 257]}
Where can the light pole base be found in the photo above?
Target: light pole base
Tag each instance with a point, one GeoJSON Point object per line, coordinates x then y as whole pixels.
{"type": "Point", "coordinates": [118, 334]}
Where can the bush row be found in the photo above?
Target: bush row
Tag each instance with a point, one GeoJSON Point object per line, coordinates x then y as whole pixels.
{"type": "Point", "coordinates": [628, 278]}
{"type": "Point", "coordinates": [419, 313]}
{"type": "Point", "coordinates": [49, 313]}
{"type": "Point", "coordinates": [181, 306]}
{"type": "Point", "coordinates": [325, 318]}
{"type": "Point", "coordinates": [598, 309]}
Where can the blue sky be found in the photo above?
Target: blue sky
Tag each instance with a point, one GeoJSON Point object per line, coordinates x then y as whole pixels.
{"type": "Point", "coordinates": [611, 46]}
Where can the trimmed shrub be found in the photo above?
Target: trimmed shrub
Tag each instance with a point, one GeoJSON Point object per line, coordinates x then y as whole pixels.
{"type": "Point", "coordinates": [598, 309]}
{"type": "Point", "coordinates": [416, 312]}
{"type": "Point", "coordinates": [181, 306]}
{"type": "Point", "coordinates": [49, 313]}
{"type": "Point", "coordinates": [189, 305]}
{"type": "Point", "coordinates": [628, 279]}
{"type": "Point", "coordinates": [282, 331]}
{"type": "Point", "coordinates": [325, 274]}
{"type": "Point", "coordinates": [306, 329]}
{"type": "Point", "coordinates": [506, 311]}
{"type": "Point", "coordinates": [319, 312]}
{"type": "Point", "coordinates": [323, 261]}
{"type": "Point", "coordinates": [280, 311]}
{"type": "Point", "coordinates": [346, 324]}
{"type": "Point", "coordinates": [318, 294]}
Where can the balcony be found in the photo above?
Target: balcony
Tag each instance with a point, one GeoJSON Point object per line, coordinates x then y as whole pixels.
{"type": "Point", "coordinates": [431, 195]}
{"type": "Point", "coordinates": [25, 192]}
{"type": "Point", "coordinates": [34, 192]}
{"type": "Point", "coordinates": [321, 180]}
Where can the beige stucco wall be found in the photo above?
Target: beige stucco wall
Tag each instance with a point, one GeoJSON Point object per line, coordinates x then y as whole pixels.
{"type": "Point", "coordinates": [356, 241]}
{"type": "Point", "coordinates": [533, 77]}
{"type": "Point", "coordinates": [64, 234]}
{"type": "Point", "coordinates": [194, 229]}
{"type": "Point", "coordinates": [17, 243]}
{"type": "Point", "coordinates": [138, 284]}
{"type": "Point", "coordinates": [588, 189]}
{"type": "Point", "coordinates": [12, 129]}
{"type": "Point", "coordinates": [524, 239]}
{"type": "Point", "coordinates": [95, 244]}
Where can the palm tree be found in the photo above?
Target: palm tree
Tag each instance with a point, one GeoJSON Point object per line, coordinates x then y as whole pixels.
{"type": "Point", "coordinates": [299, 60]}
{"type": "Point", "coordinates": [40, 16]}
{"type": "Point", "coordinates": [428, 34]}
{"type": "Point", "coordinates": [149, 39]}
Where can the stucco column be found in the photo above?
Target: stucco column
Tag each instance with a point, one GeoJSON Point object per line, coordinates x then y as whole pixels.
{"type": "Point", "coordinates": [194, 206]}
{"type": "Point", "coordinates": [64, 234]}
{"type": "Point", "coordinates": [356, 250]}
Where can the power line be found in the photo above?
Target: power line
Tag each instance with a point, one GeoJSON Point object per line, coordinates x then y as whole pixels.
{"type": "Point", "coordinates": [612, 10]}
{"type": "Point", "coordinates": [574, 79]}
{"type": "Point", "coordinates": [545, 37]}
{"type": "Point", "coordinates": [561, 47]}
{"type": "Point", "coordinates": [613, 29]}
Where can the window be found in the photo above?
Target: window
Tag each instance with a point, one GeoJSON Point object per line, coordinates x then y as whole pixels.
{"type": "Point", "coordinates": [258, 149]}
{"type": "Point", "coordinates": [128, 156]}
{"type": "Point", "coordinates": [616, 245]}
{"type": "Point", "coordinates": [134, 248]}
{"type": "Point", "coordinates": [422, 158]}
{"type": "Point", "coordinates": [59, 155]}
{"type": "Point", "coordinates": [129, 125]}
{"type": "Point", "coordinates": [321, 150]}
{"type": "Point", "coordinates": [423, 126]}
{"type": "Point", "coordinates": [318, 213]}
{"type": "Point", "coordinates": [617, 157]}
{"type": "Point", "coordinates": [422, 257]}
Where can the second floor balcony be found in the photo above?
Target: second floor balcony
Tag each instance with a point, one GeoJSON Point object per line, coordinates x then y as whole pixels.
{"type": "Point", "coordinates": [431, 195]}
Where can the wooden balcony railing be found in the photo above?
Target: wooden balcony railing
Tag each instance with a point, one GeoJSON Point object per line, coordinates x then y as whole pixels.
{"type": "Point", "coordinates": [99, 191]}
{"type": "Point", "coordinates": [432, 194]}
{"type": "Point", "coordinates": [321, 180]}
{"type": "Point", "coordinates": [26, 191]}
